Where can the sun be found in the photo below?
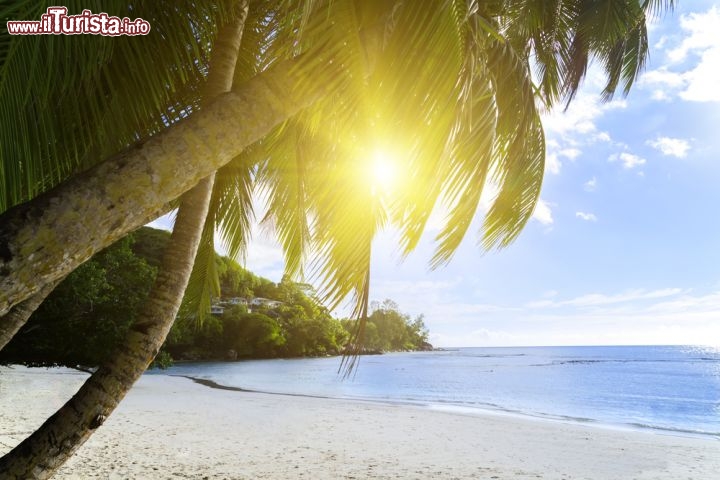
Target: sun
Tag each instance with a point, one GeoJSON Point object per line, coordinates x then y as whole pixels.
{"type": "Point", "coordinates": [383, 170]}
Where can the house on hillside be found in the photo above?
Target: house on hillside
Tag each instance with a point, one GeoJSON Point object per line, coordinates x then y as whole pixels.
{"type": "Point", "coordinates": [237, 301]}
{"type": "Point", "coordinates": [218, 307]}
{"type": "Point", "coordinates": [265, 302]}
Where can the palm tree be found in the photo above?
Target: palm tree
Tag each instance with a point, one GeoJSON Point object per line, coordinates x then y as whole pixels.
{"type": "Point", "coordinates": [18, 315]}
{"type": "Point", "coordinates": [42, 453]}
{"type": "Point", "coordinates": [123, 103]}
{"type": "Point", "coordinates": [461, 67]}
{"type": "Point", "coordinates": [452, 80]}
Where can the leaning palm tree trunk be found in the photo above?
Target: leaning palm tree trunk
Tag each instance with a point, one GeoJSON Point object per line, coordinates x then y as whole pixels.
{"type": "Point", "coordinates": [14, 320]}
{"type": "Point", "coordinates": [48, 237]}
{"type": "Point", "coordinates": [41, 454]}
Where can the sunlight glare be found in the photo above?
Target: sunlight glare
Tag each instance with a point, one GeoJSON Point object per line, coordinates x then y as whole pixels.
{"type": "Point", "coordinates": [384, 170]}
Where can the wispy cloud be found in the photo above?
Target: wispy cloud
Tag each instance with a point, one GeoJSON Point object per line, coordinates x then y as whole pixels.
{"type": "Point", "coordinates": [628, 160]}
{"type": "Point", "coordinates": [568, 130]}
{"type": "Point", "coordinates": [675, 147]}
{"type": "Point", "coordinates": [700, 47]}
{"type": "Point", "coordinates": [597, 299]}
{"type": "Point", "coordinates": [570, 153]}
{"type": "Point", "coordinates": [590, 185]}
{"type": "Point", "coordinates": [543, 213]}
{"type": "Point", "coordinates": [702, 34]}
{"type": "Point", "coordinates": [581, 116]}
{"type": "Point", "coordinates": [588, 217]}
{"type": "Point", "coordinates": [552, 163]}
{"type": "Point", "coordinates": [663, 316]}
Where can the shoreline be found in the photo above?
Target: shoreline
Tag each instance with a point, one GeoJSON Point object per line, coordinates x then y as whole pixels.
{"type": "Point", "coordinates": [169, 428]}
{"type": "Point", "coordinates": [457, 409]}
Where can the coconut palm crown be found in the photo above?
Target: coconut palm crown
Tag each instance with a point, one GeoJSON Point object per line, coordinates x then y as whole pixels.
{"type": "Point", "coordinates": [452, 88]}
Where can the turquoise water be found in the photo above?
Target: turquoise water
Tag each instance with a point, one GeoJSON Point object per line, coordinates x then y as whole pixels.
{"type": "Point", "coordinates": [667, 388]}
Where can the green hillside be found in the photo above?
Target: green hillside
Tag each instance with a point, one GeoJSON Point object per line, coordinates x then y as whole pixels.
{"type": "Point", "coordinates": [90, 311]}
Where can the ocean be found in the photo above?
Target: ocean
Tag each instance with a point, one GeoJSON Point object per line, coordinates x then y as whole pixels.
{"type": "Point", "coordinates": [670, 389]}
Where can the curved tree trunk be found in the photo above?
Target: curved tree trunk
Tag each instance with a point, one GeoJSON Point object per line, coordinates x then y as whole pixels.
{"type": "Point", "coordinates": [13, 319]}
{"type": "Point", "coordinates": [18, 316]}
{"type": "Point", "coordinates": [46, 238]}
{"type": "Point", "coordinates": [41, 454]}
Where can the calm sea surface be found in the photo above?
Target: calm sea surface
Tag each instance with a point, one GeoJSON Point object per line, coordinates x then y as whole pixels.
{"type": "Point", "coordinates": [664, 388]}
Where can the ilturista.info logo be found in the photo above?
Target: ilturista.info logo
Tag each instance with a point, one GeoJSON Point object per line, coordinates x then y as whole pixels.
{"type": "Point", "coordinates": [56, 21]}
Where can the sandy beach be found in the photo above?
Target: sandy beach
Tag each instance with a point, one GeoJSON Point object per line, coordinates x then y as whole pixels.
{"type": "Point", "coordinates": [170, 427]}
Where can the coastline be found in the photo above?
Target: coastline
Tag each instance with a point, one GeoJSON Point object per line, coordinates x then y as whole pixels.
{"type": "Point", "coordinates": [473, 411]}
{"type": "Point", "coordinates": [170, 427]}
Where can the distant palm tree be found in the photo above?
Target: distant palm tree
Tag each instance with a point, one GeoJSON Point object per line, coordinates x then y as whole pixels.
{"type": "Point", "coordinates": [447, 84]}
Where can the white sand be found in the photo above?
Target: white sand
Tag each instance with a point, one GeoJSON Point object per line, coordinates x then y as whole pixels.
{"type": "Point", "coordinates": [170, 427]}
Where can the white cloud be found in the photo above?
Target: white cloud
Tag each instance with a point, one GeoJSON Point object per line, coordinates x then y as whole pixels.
{"type": "Point", "coordinates": [660, 95]}
{"type": "Point", "coordinates": [602, 137]}
{"type": "Point", "coordinates": [703, 82]}
{"type": "Point", "coordinates": [413, 291]}
{"type": "Point", "coordinates": [590, 185]}
{"type": "Point", "coordinates": [580, 116]}
{"type": "Point", "coordinates": [675, 147]}
{"type": "Point", "coordinates": [552, 164]}
{"type": "Point", "coordinates": [543, 213]}
{"type": "Point", "coordinates": [660, 43]}
{"type": "Point", "coordinates": [552, 160]}
{"type": "Point", "coordinates": [662, 76]}
{"type": "Point", "coordinates": [662, 317]}
{"type": "Point", "coordinates": [597, 299]}
{"type": "Point", "coordinates": [703, 34]}
{"type": "Point", "coordinates": [571, 153]}
{"type": "Point", "coordinates": [628, 160]}
{"type": "Point", "coordinates": [617, 104]}
{"type": "Point", "coordinates": [692, 72]}
{"type": "Point", "coordinates": [568, 130]}
{"type": "Point", "coordinates": [588, 217]}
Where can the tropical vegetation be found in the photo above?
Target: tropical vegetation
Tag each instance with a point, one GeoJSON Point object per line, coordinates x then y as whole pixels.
{"type": "Point", "coordinates": [89, 313]}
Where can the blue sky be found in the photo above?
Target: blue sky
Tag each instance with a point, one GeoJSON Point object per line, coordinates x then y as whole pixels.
{"type": "Point", "coordinates": [624, 246]}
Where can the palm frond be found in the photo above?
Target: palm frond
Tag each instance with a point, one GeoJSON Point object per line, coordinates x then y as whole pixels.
{"type": "Point", "coordinates": [657, 7]}
{"type": "Point", "coordinates": [283, 178]}
{"type": "Point", "coordinates": [58, 117]}
{"type": "Point", "coordinates": [204, 284]}
{"type": "Point", "coordinates": [233, 199]}
{"type": "Point", "coordinates": [446, 82]}
{"type": "Point", "coordinates": [519, 148]}
{"type": "Point", "coordinates": [417, 85]}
